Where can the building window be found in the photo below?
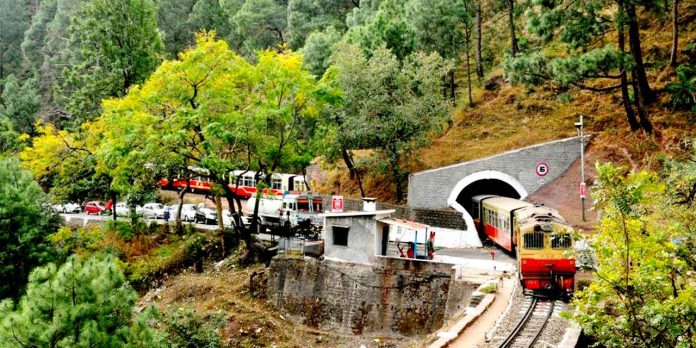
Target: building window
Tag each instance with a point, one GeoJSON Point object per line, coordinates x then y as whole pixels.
{"type": "Point", "coordinates": [340, 235]}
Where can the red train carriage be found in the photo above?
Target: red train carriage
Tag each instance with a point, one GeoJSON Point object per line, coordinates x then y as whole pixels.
{"type": "Point", "coordinates": [538, 235]}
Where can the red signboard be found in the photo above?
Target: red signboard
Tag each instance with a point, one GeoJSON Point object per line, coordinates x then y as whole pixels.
{"type": "Point", "coordinates": [336, 204]}
{"type": "Point", "coordinates": [582, 190]}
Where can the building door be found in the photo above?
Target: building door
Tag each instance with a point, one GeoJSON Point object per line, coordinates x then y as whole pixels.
{"type": "Point", "coordinates": [385, 239]}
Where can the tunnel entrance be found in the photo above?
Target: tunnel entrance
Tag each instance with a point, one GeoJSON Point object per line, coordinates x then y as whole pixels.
{"type": "Point", "coordinates": [484, 182]}
{"type": "Point", "coordinates": [485, 187]}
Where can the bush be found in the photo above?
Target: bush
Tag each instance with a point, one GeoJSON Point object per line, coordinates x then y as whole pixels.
{"type": "Point", "coordinates": [185, 328]}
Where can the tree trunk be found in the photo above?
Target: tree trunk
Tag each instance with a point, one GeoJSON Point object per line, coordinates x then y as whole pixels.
{"type": "Point", "coordinates": [113, 206]}
{"type": "Point", "coordinates": [640, 106]}
{"type": "Point", "coordinates": [348, 159]}
{"type": "Point", "coordinates": [218, 208]}
{"type": "Point", "coordinates": [639, 68]}
{"type": "Point", "coordinates": [468, 64]}
{"type": "Point", "coordinates": [479, 64]}
{"type": "Point", "coordinates": [179, 225]}
{"type": "Point", "coordinates": [675, 33]}
{"type": "Point", "coordinates": [511, 19]}
{"type": "Point", "coordinates": [625, 99]}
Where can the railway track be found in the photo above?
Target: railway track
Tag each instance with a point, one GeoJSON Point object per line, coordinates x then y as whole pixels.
{"type": "Point", "coordinates": [527, 331]}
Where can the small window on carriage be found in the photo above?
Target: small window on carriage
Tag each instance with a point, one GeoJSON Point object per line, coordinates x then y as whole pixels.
{"type": "Point", "coordinates": [534, 240]}
{"type": "Point", "coordinates": [561, 241]}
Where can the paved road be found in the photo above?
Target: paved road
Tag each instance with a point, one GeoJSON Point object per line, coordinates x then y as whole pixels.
{"type": "Point", "coordinates": [294, 243]}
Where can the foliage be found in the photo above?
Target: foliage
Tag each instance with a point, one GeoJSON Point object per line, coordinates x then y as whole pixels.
{"type": "Point", "coordinates": [644, 293]}
{"type": "Point", "coordinates": [186, 328]}
{"type": "Point", "coordinates": [391, 107]}
{"type": "Point", "coordinates": [260, 24]}
{"type": "Point", "coordinates": [310, 16]}
{"type": "Point", "coordinates": [318, 49]}
{"type": "Point", "coordinates": [20, 103]}
{"type": "Point", "coordinates": [438, 25]}
{"type": "Point", "coordinates": [386, 27]}
{"type": "Point", "coordinates": [119, 47]}
{"type": "Point", "coordinates": [14, 20]}
{"type": "Point", "coordinates": [683, 91]}
{"type": "Point", "coordinates": [177, 33]}
{"type": "Point", "coordinates": [24, 224]}
{"type": "Point", "coordinates": [81, 303]}
{"type": "Point", "coordinates": [9, 139]}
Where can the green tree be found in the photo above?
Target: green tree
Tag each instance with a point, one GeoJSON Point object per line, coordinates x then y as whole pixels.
{"type": "Point", "coordinates": [583, 52]}
{"type": "Point", "coordinates": [390, 106]}
{"type": "Point", "coordinates": [9, 138]}
{"type": "Point", "coordinates": [20, 103]}
{"type": "Point", "coordinates": [643, 294]}
{"type": "Point", "coordinates": [172, 20]}
{"type": "Point", "coordinates": [385, 27]}
{"type": "Point", "coordinates": [79, 304]}
{"type": "Point", "coordinates": [212, 109]}
{"type": "Point", "coordinates": [24, 225]}
{"type": "Point", "coordinates": [308, 16]}
{"type": "Point", "coordinates": [260, 24]}
{"type": "Point", "coordinates": [318, 49]}
{"type": "Point", "coordinates": [14, 20]}
{"type": "Point", "coordinates": [119, 47]}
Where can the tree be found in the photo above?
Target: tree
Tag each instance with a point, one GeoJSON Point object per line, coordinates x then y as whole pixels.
{"type": "Point", "coordinates": [213, 110]}
{"type": "Point", "coordinates": [9, 138]}
{"type": "Point", "coordinates": [318, 49]}
{"type": "Point", "coordinates": [643, 293]}
{"type": "Point", "coordinates": [479, 36]}
{"type": "Point", "coordinates": [210, 15]}
{"type": "Point", "coordinates": [79, 304]}
{"type": "Point", "coordinates": [20, 103]}
{"type": "Point", "coordinates": [260, 24]}
{"type": "Point", "coordinates": [177, 33]}
{"type": "Point", "coordinates": [24, 225]}
{"type": "Point", "coordinates": [390, 106]}
{"type": "Point", "coordinates": [510, 9]}
{"type": "Point", "coordinates": [582, 54]}
{"type": "Point", "coordinates": [14, 20]}
{"type": "Point", "coordinates": [673, 60]}
{"type": "Point", "coordinates": [386, 26]}
{"type": "Point", "coordinates": [444, 27]}
{"type": "Point", "coordinates": [309, 16]}
{"type": "Point", "coordinates": [119, 47]}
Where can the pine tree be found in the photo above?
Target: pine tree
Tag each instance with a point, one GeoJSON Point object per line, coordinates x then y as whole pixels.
{"type": "Point", "coordinates": [79, 304]}
{"type": "Point", "coordinates": [20, 103]}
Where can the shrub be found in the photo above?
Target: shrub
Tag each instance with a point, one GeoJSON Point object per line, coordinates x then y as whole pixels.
{"type": "Point", "coordinates": [186, 328]}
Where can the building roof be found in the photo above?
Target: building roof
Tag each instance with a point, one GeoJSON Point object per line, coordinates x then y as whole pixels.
{"type": "Point", "coordinates": [404, 224]}
{"type": "Point", "coordinates": [358, 213]}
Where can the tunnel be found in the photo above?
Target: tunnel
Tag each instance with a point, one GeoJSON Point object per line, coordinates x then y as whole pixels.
{"type": "Point", "coordinates": [483, 182]}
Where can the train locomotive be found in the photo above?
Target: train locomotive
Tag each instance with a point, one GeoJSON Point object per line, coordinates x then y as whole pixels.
{"type": "Point", "coordinates": [538, 235]}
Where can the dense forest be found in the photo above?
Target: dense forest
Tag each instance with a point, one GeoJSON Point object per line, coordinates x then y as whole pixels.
{"type": "Point", "coordinates": [101, 98]}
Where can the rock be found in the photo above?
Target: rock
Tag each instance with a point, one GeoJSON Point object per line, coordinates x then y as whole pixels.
{"type": "Point", "coordinates": [494, 83]}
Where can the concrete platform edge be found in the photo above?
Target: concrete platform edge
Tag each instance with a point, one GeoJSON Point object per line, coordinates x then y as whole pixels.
{"type": "Point", "coordinates": [446, 337]}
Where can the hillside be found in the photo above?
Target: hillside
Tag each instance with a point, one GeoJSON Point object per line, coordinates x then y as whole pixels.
{"type": "Point", "coordinates": [507, 116]}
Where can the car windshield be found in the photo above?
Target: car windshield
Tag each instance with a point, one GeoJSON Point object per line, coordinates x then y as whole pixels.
{"type": "Point", "coordinates": [157, 206]}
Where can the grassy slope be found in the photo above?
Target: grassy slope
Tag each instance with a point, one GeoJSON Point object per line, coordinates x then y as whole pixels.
{"type": "Point", "coordinates": [518, 116]}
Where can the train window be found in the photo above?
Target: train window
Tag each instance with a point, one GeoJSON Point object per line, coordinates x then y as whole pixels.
{"type": "Point", "coordinates": [534, 240]}
{"type": "Point", "coordinates": [561, 241]}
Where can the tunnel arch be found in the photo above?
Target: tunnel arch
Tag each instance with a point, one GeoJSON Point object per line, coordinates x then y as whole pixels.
{"type": "Point", "coordinates": [504, 185]}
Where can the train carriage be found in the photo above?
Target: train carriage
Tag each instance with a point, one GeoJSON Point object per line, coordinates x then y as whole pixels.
{"type": "Point", "coordinates": [538, 235]}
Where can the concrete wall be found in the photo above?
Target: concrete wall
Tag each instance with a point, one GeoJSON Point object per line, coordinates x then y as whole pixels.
{"type": "Point", "coordinates": [361, 238]}
{"type": "Point", "coordinates": [394, 296]}
{"type": "Point", "coordinates": [430, 189]}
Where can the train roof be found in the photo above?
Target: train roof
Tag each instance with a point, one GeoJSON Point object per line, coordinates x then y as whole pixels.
{"type": "Point", "coordinates": [506, 203]}
{"type": "Point", "coordinates": [540, 214]}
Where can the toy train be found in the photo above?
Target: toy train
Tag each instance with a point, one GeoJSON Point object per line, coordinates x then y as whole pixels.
{"type": "Point", "coordinates": [538, 235]}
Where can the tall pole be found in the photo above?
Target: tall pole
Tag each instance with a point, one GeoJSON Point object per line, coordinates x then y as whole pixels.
{"type": "Point", "coordinates": [582, 169]}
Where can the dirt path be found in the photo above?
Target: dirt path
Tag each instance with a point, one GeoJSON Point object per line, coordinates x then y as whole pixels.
{"type": "Point", "coordinates": [474, 335]}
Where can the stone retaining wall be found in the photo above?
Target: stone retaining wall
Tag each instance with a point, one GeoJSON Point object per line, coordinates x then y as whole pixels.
{"type": "Point", "coordinates": [395, 296]}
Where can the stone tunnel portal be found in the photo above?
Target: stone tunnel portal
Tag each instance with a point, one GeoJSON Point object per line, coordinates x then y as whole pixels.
{"type": "Point", "coordinates": [484, 182]}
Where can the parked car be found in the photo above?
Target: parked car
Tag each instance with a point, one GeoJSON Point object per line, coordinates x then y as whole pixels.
{"type": "Point", "coordinates": [227, 219]}
{"type": "Point", "coordinates": [95, 207]}
{"type": "Point", "coordinates": [122, 209]}
{"type": "Point", "coordinates": [153, 211]}
{"type": "Point", "coordinates": [66, 208]}
{"type": "Point", "coordinates": [188, 212]}
{"type": "Point", "coordinates": [205, 216]}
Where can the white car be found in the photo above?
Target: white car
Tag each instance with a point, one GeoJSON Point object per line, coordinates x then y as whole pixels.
{"type": "Point", "coordinates": [188, 212]}
{"type": "Point", "coordinates": [206, 216]}
{"type": "Point", "coordinates": [227, 219]}
{"type": "Point", "coordinates": [153, 211]}
{"type": "Point", "coordinates": [122, 209]}
{"type": "Point", "coordinates": [66, 208]}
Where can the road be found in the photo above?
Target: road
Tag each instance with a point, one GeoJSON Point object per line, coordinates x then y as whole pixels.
{"type": "Point", "coordinates": [295, 243]}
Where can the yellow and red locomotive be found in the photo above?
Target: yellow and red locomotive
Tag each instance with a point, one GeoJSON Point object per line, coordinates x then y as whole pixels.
{"type": "Point", "coordinates": [538, 235]}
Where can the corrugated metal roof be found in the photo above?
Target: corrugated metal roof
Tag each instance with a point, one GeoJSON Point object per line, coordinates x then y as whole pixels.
{"type": "Point", "coordinates": [404, 223]}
